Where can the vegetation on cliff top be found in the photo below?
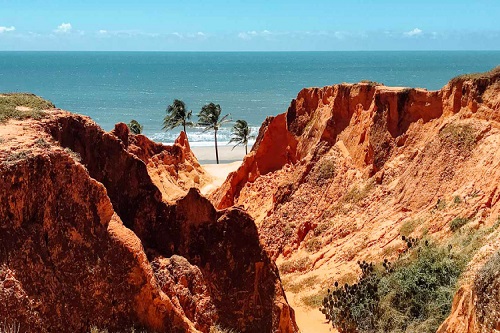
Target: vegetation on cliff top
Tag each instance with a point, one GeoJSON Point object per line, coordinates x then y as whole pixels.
{"type": "Point", "coordinates": [477, 76]}
{"type": "Point", "coordinates": [22, 106]}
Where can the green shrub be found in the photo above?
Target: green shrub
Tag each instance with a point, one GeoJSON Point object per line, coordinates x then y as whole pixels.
{"type": "Point", "coordinates": [458, 223]}
{"type": "Point", "coordinates": [9, 102]}
{"type": "Point", "coordinates": [413, 294]}
{"type": "Point", "coordinates": [323, 170]}
{"type": "Point", "coordinates": [135, 127]}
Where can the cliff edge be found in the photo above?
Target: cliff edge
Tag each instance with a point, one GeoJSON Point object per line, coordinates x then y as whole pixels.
{"type": "Point", "coordinates": [351, 168]}
{"type": "Point", "coordinates": [88, 239]}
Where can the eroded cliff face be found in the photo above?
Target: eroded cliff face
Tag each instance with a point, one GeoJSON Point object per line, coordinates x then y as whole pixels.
{"type": "Point", "coordinates": [359, 163]}
{"type": "Point", "coordinates": [89, 239]}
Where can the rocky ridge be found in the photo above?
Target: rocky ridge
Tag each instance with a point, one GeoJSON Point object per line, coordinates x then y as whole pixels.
{"type": "Point", "coordinates": [89, 239]}
{"type": "Point", "coordinates": [350, 168]}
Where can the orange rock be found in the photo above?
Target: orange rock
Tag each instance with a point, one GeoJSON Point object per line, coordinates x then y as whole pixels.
{"type": "Point", "coordinates": [366, 160]}
{"type": "Point", "coordinates": [87, 238]}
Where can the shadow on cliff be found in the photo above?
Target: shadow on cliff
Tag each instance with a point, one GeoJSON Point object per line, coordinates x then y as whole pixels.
{"type": "Point", "coordinates": [243, 282]}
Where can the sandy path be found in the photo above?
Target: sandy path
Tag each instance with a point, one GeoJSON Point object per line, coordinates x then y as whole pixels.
{"type": "Point", "coordinates": [219, 174]}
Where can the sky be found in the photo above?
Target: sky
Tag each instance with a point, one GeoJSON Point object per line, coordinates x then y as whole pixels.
{"type": "Point", "coordinates": [250, 25]}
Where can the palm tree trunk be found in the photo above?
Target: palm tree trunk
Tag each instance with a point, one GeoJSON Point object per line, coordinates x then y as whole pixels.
{"type": "Point", "coordinates": [246, 149]}
{"type": "Point", "coordinates": [184, 125]}
{"type": "Point", "coordinates": [216, 150]}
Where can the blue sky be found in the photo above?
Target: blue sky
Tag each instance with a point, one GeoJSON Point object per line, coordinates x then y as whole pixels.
{"type": "Point", "coordinates": [217, 25]}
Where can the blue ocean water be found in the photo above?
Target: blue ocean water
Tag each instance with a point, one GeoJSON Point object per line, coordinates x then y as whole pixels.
{"type": "Point", "coordinates": [120, 86]}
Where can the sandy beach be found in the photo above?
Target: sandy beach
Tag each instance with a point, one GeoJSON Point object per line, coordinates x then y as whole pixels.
{"type": "Point", "coordinates": [219, 174]}
{"type": "Point", "coordinates": [206, 154]}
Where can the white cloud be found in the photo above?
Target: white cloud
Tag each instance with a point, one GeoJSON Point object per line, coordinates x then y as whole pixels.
{"type": "Point", "coordinates": [7, 29]}
{"type": "Point", "coordinates": [414, 32]}
{"type": "Point", "coordinates": [103, 32]}
{"type": "Point", "coordinates": [251, 34]}
{"type": "Point", "coordinates": [64, 28]}
{"type": "Point", "coordinates": [178, 35]}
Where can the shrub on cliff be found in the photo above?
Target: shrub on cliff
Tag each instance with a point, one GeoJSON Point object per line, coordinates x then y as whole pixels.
{"type": "Point", "coordinates": [462, 136]}
{"type": "Point", "coordinates": [135, 127]}
{"type": "Point", "coordinates": [487, 288]}
{"type": "Point", "coordinates": [413, 294]}
{"type": "Point", "coordinates": [22, 106]}
{"type": "Point", "coordinates": [458, 223]}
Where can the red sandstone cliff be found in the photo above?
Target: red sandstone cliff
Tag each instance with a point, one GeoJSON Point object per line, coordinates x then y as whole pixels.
{"type": "Point", "coordinates": [335, 179]}
{"type": "Point", "coordinates": [89, 239]}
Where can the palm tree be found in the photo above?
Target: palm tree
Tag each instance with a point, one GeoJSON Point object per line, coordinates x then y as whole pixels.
{"type": "Point", "coordinates": [209, 117]}
{"type": "Point", "coordinates": [241, 134]}
{"type": "Point", "coordinates": [135, 127]}
{"type": "Point", "coordinates": [177, 115]}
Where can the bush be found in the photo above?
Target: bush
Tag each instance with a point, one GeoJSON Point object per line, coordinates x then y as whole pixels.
{"type": "Point", "coordinates": [299, 265]}
{"type": "Point", "coordinates": [324, 170]}
{"type": "Point", "coordinates": [413, 294]}
{"type": "Point", "coordinates": [356, 194]}
{"type": "Point", "coordinates": [9, 103]}
{"type": "Point", "coordinates": [313, 245]}
{"type": "Point", "coordinates": [458, 223]}
{"type": "Point", "coordinates": [459, 135]}
{"type": "Point", "coordinates": [487, 286]}
{"type": "Point", "coordinates": [135, 127]}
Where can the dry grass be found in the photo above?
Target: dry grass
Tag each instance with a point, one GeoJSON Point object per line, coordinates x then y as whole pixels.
{"type": "Point", "coordinates": [313, 300]}
{"type": "Point", "coordinates": [219, 329]}
{"type": "Point", "coordinates": [458, 223]}
{"type": "Point", "coordinates": [409, 226]}
{"type": "Point", "coordinates": [477, 76]}
{"type": "Point", "coordinates": [462, 136]}
{"type": "Point", "coordinates": [313, 245]}
{"type": "Point", "coordinates": [9, 103]}
{"type": "Point", "coordinates": [306, 283]}
{"type": "Point", "coordinates": [357, 193]}
{"type": "Point", "coordinates": [298, 265]}
{"type": "Point", "coordinates": [324, 170]}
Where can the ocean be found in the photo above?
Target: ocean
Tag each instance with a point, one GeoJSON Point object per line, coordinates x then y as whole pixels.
{"type": "Point", "coordinates": [116, 87]}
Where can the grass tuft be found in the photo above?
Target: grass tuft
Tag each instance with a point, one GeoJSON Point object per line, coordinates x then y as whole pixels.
{"type": "Point", "coordinates": [298, 265]}
{"type": "Point", "coordinates": [461, 136]}
{"type": "Point", "coordinates": [458, 223]}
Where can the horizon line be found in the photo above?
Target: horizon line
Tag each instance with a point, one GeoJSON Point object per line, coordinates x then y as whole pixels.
{"type": "Point", "coordinates": [258, 51]}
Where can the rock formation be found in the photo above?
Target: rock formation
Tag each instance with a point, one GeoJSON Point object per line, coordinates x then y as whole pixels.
{"type": "Point", "coordinates": [89, 239]}
{"type": "Point", "coordinates": [348, 168]}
